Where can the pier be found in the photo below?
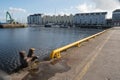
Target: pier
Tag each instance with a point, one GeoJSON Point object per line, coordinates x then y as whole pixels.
{"type": "Point", "coordinates": [13, 25]}
{"type": "Point", "coordinates": [95, 59]}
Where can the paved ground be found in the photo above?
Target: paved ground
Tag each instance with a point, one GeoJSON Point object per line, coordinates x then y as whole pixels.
{"type": "Point", "coordinates": [107, 64]}
{"type": "Point", "coordinates": [97, 59]}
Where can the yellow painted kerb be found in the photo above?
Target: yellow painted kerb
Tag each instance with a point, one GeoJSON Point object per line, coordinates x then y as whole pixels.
{"type": "Point", "coordinates": [56, 53]}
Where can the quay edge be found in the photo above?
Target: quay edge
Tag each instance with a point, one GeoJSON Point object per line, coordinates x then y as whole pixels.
{"type": "Point", "coordinates": [13, 25]}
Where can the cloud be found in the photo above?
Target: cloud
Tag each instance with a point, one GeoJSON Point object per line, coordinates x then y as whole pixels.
{"type": "Point", "coordinates": [108, 5]}
{"type": "Point", "coordinates": [11, 9]}
{"type": "Point", "coordinates": [59, 13]}
{"type": "Point", "coordinates": [99, 5]}
{"type": "Point", "coordinates": [66, 11]}
{"type": "Point", "coordinates": [63, 13]}
{"type": "Point", "coordinates": [18, 14]}
{"type": "Point", "coordinates": [84, 7]}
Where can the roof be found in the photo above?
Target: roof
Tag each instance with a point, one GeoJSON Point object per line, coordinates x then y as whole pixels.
{"type": "Point", "coordinates": [92, 13]}
{"type": "Point", "coordinates": [36, 15]}
{"type": "Point", "coordinates": [117, 10]}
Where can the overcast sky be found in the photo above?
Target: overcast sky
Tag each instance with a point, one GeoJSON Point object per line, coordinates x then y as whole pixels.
{"type": "Point", "coordinates": [20, 9]}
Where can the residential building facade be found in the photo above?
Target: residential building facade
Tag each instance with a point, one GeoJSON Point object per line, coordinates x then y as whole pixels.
{"type": "Point", "coordinates": [116, 17]}
{"type": "Point", "coordinates": [35, 19]}
{"type": "Point", "coordinates": [81, 19]}
{"type": "Point", "coordinates": [58, 19]}
{"type": "Point", "coordinates": [98, 18]}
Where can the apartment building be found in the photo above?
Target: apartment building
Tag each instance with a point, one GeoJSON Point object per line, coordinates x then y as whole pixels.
{"type": "Point", "coordinates": [116, 17]}
{"type": "Point", "coordinates": [98, 18]}
{"type": "Point", "coordinates": [35, 19]}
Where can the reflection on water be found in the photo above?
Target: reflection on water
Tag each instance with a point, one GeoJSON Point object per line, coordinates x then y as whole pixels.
{"type": "Point", "coordinates": [43, 39]}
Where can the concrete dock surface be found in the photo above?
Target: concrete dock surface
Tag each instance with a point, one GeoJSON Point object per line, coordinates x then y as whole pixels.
{"type": "Point", "coordinates": [96, 59]}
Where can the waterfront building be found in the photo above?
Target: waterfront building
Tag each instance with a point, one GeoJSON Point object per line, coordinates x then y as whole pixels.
{"type": "Point", "coordinates": [109, 22]}
{"type": "Point", "coordinates": [35, 19]}
{"type": "Point", "coordinates": [46, 19]}
{"type": "Point", "coordinates": [58, 19]}
{"type": "Point", "coordinates": [116, 17]}
{"type": "Point", "coordinates": [80, 19]}
{"type": "Point", "coordinates": [87, 19]}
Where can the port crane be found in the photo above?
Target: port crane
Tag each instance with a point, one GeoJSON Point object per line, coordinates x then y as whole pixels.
{"type": "Point", "coordinates": [11, 23]}
{"type": "Point", "coordinates": [9, 19]}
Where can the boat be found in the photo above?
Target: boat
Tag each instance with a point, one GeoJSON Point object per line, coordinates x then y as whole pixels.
{"type": "Point", "coordinates": [49, 25]}
{"type": "Point", "coordinates": [64, 26]}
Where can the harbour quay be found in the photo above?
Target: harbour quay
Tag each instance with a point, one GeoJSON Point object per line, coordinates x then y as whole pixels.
{"type": "Point", "coordinates": [95, 59]}
{"type": "Point", "coordinates": [12, 25]}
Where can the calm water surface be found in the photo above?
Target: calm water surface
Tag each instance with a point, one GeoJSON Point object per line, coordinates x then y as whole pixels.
{"type": "Point", "coordinates": [43, 39]}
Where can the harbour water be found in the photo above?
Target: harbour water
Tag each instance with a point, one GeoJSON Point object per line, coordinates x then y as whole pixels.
{"type": "Point", "coordinates": [44, 40]}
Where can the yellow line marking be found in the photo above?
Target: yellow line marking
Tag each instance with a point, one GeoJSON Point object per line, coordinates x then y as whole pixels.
{"type": "Point", "coordinates": [58, 50]}
{"type": "Point", "coordinates": [88, 64]}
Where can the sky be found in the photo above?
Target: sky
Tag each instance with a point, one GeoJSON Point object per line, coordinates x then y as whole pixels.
{"type": "Point", "coordinates": [20, 9]}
